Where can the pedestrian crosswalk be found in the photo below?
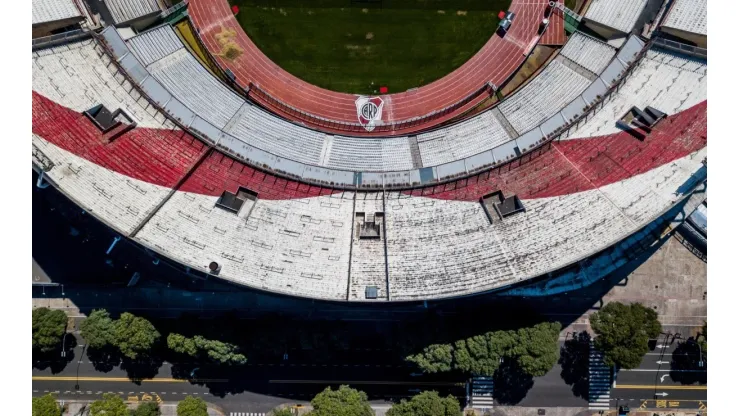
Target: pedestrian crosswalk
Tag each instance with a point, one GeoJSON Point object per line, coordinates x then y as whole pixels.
{"type": "Point", "coordinates": [599, 381]}
{"type": "Point", "coordinates": [481, 392]}
{"type": "Point", "coordinates": [247, 414]}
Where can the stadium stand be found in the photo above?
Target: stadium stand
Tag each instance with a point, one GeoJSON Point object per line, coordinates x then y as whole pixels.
{"type": "Point", "coordinates": [465, 139]}
{"type": "Point", "coordinates": [77, 75]}
{"type": "Point", "coordinates": [543, 96]}
{"type": "Point", "coordinates": [687, 19]}
{"type": "Point", "coordinates": [294, 246]}
{"type": "Point", "coordinates": [181, 198]}
{"type": "Point", "coordinates": [612, 18]}
{"type": "Point", "coordinates": [124, 11]}
{"type": "Point", "coordinates": [663, 79]}
{"type": "Point", "coordinates": [50, 15]}
{"type": "Point", "coordinates": [588, 52]}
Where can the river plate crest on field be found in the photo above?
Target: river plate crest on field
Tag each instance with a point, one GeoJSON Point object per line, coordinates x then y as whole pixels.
{"type": "Point", "coordinates": [369, 111]}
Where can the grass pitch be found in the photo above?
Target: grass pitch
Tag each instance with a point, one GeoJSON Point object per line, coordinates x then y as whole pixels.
{"type": "Point", "coordinates": [356, 47]}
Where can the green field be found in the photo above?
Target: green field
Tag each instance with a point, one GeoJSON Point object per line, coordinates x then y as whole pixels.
{"type": "Point", "coordinates": [356, 47]}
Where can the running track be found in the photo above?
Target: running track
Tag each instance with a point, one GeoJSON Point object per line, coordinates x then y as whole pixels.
{"type": "Point", "coordinates": [496, 62]}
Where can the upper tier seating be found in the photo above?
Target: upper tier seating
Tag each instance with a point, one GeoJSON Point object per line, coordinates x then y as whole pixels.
{"type": "Point", "coordinates": [588, 52]}
{"type": "Point", "coordinates": [665, 80]}
{"type": "Point", "coordinates": [618, 14]}
{"type": "Point", "coordinates": [465, 139]}
{"type": "Point", "coordinates": [547, 93]}
{"type": "Point", "coordinates": [688, 15]}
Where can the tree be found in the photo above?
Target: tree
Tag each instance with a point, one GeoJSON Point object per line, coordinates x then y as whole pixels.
{"type": "Point", "coordinates": [623, 332]}
{"type": "Point", "coordinates": [192, 406]}
{"type": "Point", "coordinates": [427, 403]}
{"type": "Point", "coordinates": [537, 350]}
{"type": "Point", "coordinates": [134, 335]}
{"type": "Point", "coordinates": [434, 358]}
{"type": "Point", "coordinates": [200, 347]}
{"type": "Point", "coordinates": [703, 340]}
{"type": "Point", "coordinates": [45, 405]}
{"type": "Point", "coordinates": [110, 405]}
{"type": "Point", "coordinates": [147, 409]}
{"type": "Point", "coordinates": [281, 412]}
{"type": "Point", "coordinates": [97, 329]}
{"type": "Point", "coordinates": [344, 401]}
{"type": "Point", "coordinates": [48, 329]}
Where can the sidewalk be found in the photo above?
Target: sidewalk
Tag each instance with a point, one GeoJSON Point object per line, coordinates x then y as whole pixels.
{"type": "Point", "coordinates": [76, 408]}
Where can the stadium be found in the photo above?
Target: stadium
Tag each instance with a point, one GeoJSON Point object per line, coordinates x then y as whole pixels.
{"type": "Point", "coordinates": [231, 168]}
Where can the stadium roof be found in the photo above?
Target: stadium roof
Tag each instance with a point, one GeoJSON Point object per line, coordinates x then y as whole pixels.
{"type": "Point", "coordinates": [688, 15]}
{"type": "Point", "coordinates": [45, 11]}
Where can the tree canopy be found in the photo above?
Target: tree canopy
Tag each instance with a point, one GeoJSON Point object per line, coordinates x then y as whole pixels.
{"type": "Point", "coordinates": [703, 340]}
{"type": "Point", "coordinates": [281, 412]}
{"type": "Point", "coordinates": [134, 335]}
{"type": "Point", "coordinates": [110, 405]}
{"type": "Point", "coordinates": [200, 347]}
{"type": "Point", "coordinates": [427, 403]}
{"type": "Point", "coordinates": [45, 405]}
{"type": "Point", "coordinates": [192, 406]}
{"type": "Point", "coordinates": [48, 328]}
{"type": "Point", "coordinates": [344, 401]}
{"type": "Point", "coordinates": [147, 409]}
{"type": "Point", "coordinates": [623, 332]}
{"type": "Point", "coordinates": [535, 350]}
{"type": "Point", "coordinates": [97, 329]}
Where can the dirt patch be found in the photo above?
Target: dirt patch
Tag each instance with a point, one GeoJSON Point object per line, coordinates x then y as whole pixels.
{"type": "Point", "coordinates": [440, 12]}
{"type": "Point", "coordinates": [283, 12]}
{"type": "Point", "coordinates": [369, 36]}
{"type": "Point", "coordinates": [365, 10]}
{"type": "Point", "coordinates": [462, 12]}
{"type": "Point", "coordinates": [230, 50]}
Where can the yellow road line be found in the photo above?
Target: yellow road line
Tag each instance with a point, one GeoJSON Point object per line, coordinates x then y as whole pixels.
{"type": "Point", "coordinates": [126, 379]}
{"type": "Point", "coordinates": [653, 387]}
{"type": "Point", "coordinates": [410, 383]}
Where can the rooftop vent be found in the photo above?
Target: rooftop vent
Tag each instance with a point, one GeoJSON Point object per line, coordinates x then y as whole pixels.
{"type": "Point", "coordinates": [233, 202]}
{"type": "Point", "coordinates": [107, 122]}
{"type": "Point", "coordinates": [638, 123]}
{"type": "Point", "coordinates": [371, 292]}
{"type": "Point", "coordinates": [214, 268]}
{"type": "Point", "coordinates": [496, 203]}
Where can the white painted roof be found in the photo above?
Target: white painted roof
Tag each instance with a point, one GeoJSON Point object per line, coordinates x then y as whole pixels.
{"type": "Point", "coordinates": [689, 16]}
{"type": "Point", "coordinates": [52, 10]}
{"type": "Point", "coordinates": [617, 14]}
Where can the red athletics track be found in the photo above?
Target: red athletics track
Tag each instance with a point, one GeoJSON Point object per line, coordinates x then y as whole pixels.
{"type": "Point", "coordinates": [163, 157]}
{"type": "Point", "coordinates": [496, 61]}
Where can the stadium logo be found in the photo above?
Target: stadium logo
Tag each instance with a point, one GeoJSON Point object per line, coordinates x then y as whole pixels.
{"type": "Point", "coordinates": [369, 111]}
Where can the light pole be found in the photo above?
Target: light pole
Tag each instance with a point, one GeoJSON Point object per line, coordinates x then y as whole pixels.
{"type": "Point", "coordinates": [64, 341]}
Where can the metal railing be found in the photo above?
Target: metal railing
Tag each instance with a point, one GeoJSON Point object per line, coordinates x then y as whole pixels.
{"type": "Point", "coordinates": [59, 38]}
{"type": "Point", "coordinates": [680, 47]}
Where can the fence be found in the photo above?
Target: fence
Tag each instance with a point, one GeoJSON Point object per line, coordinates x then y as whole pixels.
{"type": "Point", "coordinates": [681, 47]}
{"type": "Point", "coordinates": [59, 38]}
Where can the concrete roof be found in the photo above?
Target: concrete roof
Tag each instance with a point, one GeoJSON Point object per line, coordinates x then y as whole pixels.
{"type": "Point", "coordinates": [688, 15]}
{"type": "Point", "coordinates": [53, 10]}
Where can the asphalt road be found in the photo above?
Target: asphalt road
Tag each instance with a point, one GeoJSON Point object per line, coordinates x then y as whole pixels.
{"type": "Point", "coordinates": [656, 383]}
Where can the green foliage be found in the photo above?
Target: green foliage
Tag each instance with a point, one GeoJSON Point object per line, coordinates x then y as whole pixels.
{"type": "Point", "coordinates": [702, 337]}
{"type": "Point", "coordinates": [200, 347]}
{"type": "Point", "coordinates": [147, 409]}
{"type": "Point", "coordinates": [344, 401]}
{"type": "Point", "coordinates": [282, 412]}
{"type": "Point", "coordinates": [192, 406]}
{"type": "Point", "coordinates": [427, 403]}
{"type": "Point", "coordinates": [97, 329]}
{"type": "Point", "coordinates": [535, 350]}
{"type": "Point", "coordinates": [48, 328]}
{"type": "Point", "coordinates": [45, 405]}
{"type": "Point", "coordinates": [434, 358]}
{"type": "Point", "coordinates": [623, 332]}
{"type": "Point", "coordinates": [110, 405]}
{"type": "Point", "coordinates": [134, 335]}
